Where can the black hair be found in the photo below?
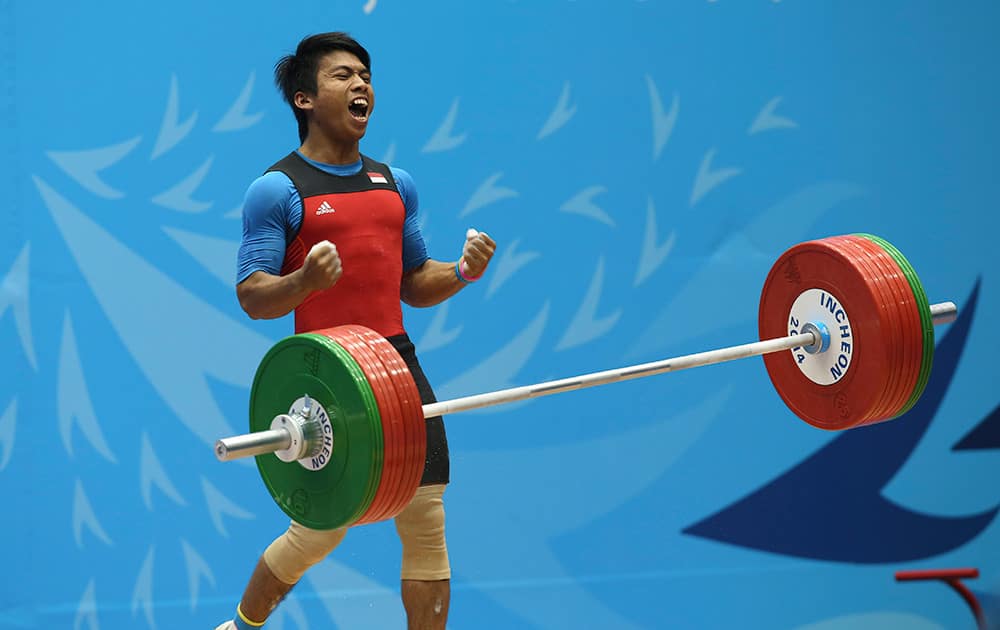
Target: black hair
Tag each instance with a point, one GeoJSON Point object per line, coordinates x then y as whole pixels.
{"type": "Point", "coordinates": [297, 73]}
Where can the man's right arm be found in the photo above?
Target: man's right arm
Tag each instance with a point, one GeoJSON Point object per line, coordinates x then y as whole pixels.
{"type": "Point", "coordinates": [267, 296]}
{"type": "Point", "coordinates": [271, 213]}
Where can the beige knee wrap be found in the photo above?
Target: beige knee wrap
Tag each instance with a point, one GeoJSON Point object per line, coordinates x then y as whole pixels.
{"type": "Point", "coordinates": [299, 548]}
{"type": "Point", "coordinates": [421, 531]}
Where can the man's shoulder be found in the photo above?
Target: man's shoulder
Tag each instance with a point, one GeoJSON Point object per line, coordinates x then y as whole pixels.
{"type": "Point", "coordinates": [270, 189]}
{"type": "Point", "coordinates": [271, 181]}
{"type": "Point", "coordinates": [402, 177]}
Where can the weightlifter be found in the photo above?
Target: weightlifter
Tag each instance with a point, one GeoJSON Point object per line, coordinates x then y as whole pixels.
{"type": "Point", "coordinates": [333, 235]}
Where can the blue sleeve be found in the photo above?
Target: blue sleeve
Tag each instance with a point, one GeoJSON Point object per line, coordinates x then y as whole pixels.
{"type": "Point", "coordinates": [272, 210]}
{"type": "Point", "coordinates": [414, 250]}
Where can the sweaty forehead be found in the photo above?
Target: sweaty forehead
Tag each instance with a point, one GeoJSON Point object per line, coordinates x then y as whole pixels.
{"type": "Point", "coordinates": [340, 58]}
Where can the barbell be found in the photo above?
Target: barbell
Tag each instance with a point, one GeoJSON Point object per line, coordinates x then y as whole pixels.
{"type": "Point", "coordinates": [847, 338]}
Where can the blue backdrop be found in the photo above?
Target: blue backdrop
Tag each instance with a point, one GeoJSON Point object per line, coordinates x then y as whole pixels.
{"type": "Point", "coordinates": [641, 165]}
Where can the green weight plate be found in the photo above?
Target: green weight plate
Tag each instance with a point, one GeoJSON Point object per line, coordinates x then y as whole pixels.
{"type": "Point", "coordinates": [339, 491]}
{"type": "Point", "coordinates": [927, 324]}
{"type": "Point", "coordinates": [374, 417]}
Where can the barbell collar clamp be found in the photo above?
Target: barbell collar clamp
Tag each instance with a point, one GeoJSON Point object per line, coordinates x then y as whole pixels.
{"type": "Point", "coordinates": [821, 336]}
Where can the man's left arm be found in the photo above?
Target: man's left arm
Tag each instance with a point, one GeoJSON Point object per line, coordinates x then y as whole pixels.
{"type": "Point", "coordinates": [427, 282]}
{"type": "Point", "coordinates": [435, 281]}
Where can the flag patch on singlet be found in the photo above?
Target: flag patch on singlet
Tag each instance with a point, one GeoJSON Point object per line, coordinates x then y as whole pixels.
{"type": "Point", "coordinates": [377, 178]}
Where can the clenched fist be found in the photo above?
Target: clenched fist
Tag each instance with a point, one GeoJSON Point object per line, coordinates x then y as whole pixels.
{"type": "Point", "coordinates": [322, 267]}
{"type": "Point", "coordinates": [476, 253]}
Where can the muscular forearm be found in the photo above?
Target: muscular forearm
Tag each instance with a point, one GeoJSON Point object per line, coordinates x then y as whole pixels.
{"type": "Point", "coordinates": [431, 283]}
{"type": "Point", "coordinates": [434, 281]}
{"type": "Point", "coordinates": [266, 296]}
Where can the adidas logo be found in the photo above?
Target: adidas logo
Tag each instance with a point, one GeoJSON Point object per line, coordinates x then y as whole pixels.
{"type": "Point", "coordinates": [324, 208]}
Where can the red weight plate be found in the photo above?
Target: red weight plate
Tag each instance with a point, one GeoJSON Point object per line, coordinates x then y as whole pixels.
{"type": "Point", "coordinates": [390, 472]}
{"type": "Point", "coordinates": [413, 412]}
{"type": "Point", "coordinates": [923, 308]}
{"type": "Point", "coordinates": [400, 428]}
{"type": "Point", "coordinates": [397, 428]}
{"type": "Point", "coordinates": [907, 355]}
{"type": "Point", "coordinates": [899, 328]}
{"type": "Point", "coordinates": [916, 335]}
{"type": "Point", "coordinates": [865, 258]}
{"type": "Point", "coordinates": [911, 344]}
{"type": "Point", "coordinates": [385, 397]}
{"type": "Point", "coordinates": [378, 388]}
{"type": "Point", "coordinates": [850, 399]}
{"type": "Point", "coordinates": [409, 398]}
{"type": "Point", "coordinates": [905, 303]}
{"type": "Point", "coordinates": [399, 424]}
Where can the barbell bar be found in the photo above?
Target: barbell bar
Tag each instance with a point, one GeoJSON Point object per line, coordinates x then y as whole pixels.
{"type": "Point", "coordinates": [272, 440]}
{"type": "Point", "coordinates": [340, 411]}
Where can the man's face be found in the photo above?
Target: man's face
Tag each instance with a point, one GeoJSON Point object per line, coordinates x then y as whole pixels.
{"type": "Point", "coordinates": [344, 97]}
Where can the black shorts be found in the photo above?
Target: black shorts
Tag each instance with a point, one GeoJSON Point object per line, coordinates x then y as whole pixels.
{"type": "Point", "coordinates": [436, 466]}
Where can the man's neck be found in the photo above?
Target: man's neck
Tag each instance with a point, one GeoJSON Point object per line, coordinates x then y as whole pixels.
{"type": "Point", "coordinates": [330, 152]}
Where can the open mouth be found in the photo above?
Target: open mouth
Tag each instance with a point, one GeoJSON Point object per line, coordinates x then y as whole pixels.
{"type": "Point", "coordinates": [359, 108]}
